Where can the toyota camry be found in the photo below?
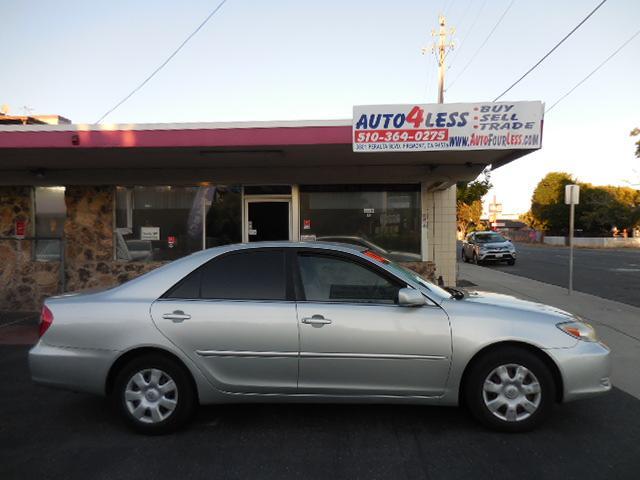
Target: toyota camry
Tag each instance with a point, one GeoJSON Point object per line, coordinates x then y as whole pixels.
{"type": "Point", "coordinates": [312, 322]}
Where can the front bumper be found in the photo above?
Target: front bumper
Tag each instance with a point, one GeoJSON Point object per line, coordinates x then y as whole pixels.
{"type": "Point", "coordinates": [585, 369]}
{"type": "Point", "coordinates": [496, 256]}
{"type": "Point", "coordinates": [77, 369]}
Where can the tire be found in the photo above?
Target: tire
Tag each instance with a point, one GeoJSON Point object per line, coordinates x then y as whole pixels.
{"type": "Point", "coordinates": [505, 405]}
{"type": "Point", "coordinates": [146, 398]}
{"type": "Point", "coordinates": [511, 262]}
{"type": "Point", "coordinates": [464, 257]}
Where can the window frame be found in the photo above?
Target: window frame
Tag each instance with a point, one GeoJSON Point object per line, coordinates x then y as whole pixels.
{"type": "Point", "coordinates": [344, 256]}
{"type": "Point", "coordinates": [289, 285]}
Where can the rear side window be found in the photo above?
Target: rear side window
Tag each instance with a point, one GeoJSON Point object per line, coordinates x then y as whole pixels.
{"type": "Point", "coordinates": [248, 275]}
{"type": "Point", "coordinates": [245, 275]}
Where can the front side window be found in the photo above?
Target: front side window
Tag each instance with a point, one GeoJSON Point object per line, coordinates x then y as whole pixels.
{"type": "Point", "coordinates": [331, 279]}
{"type": "Point", "coordinates": [51, 212]}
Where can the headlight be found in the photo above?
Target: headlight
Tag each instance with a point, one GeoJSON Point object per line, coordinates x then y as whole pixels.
{"type": "Point", "coordinates": [579, 330]}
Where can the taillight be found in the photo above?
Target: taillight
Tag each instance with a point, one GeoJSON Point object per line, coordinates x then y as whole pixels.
{"type": "Point", "coordinates": [46, 319]}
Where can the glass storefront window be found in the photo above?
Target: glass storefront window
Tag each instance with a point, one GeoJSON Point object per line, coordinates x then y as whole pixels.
{"type": "Point", "coordinates": [51, 212]}
{"type": "Point", "coordinates": [166, 222]}
{"type": "Point", "coordinates": [383, 218]}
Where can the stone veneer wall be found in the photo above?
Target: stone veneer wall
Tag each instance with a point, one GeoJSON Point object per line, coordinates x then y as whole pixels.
{"type": "Point", "coordinates": [88, 234]}
{"type": "Point", "coordinates": [23, 282]}
{"type": "Point", "coordinates": [424, 269]}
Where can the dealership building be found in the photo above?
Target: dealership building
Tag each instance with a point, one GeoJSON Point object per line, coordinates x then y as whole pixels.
{"type": "Point", "coordinates": [84, 206]}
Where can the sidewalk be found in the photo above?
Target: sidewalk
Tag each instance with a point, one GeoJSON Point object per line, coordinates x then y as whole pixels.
{"type": "Point", "coordinates": [617, 324]}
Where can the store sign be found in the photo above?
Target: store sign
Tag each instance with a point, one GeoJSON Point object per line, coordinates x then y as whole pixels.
{"type": "Point", "coordinates": [21, 228]}
{"type": "Point", "coordinates": [149, 233]}
{"type": "Point", "coordinates": [448, 126]}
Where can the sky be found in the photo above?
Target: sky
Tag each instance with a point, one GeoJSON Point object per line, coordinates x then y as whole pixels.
{"type": "Point", "coordinates": [288, 59]}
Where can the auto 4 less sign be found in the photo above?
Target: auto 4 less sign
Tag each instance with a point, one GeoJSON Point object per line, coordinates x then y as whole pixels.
{"type": "Point", "coordinates": [449, 126]}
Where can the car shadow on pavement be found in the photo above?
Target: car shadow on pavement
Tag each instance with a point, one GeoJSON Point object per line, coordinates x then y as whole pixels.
{"type": "Point", "coordinates": [47, 433]}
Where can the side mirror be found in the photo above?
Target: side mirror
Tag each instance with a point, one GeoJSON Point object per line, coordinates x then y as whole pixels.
{"type": "Point", "coordinates": [409, 297]}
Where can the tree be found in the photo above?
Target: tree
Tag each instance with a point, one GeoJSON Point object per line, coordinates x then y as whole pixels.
{"type": "Point", "coordinates": [468, 215]}
{"type": "Point", "coordinates": [601, 207]}
{"type": "Point", "coordinates": [469, 202]}
{"type": "Point", "coordinates": [533, 222]}
{"type": "Point", "coordinates": [547, 203]}
{"type": "Point", "coordinates": [634, 132]}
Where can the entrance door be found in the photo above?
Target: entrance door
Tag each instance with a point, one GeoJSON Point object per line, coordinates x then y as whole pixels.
{"type": "Point", "coordinates": [267, 220]}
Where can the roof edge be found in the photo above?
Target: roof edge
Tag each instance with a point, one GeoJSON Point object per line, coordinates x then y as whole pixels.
{"type": "Point", "coordinates": [85, 127]}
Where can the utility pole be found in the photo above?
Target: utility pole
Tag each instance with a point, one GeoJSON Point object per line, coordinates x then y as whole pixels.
{"type": "Point", "coordinates": [441, 47]}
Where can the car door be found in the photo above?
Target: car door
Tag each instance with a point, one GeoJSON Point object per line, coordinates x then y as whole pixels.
{"type": "Point", "coordinates": [354, 337]}
{"type": "Point", "coordinates": [235, 317]}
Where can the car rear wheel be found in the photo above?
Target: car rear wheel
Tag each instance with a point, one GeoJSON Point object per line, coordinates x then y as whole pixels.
{"type": "Point", "coordinates": [510, 390]}
{"type": "Point", "coordinates": [464, 257]}
{"type": "Point", "coordinates": [154, 394]}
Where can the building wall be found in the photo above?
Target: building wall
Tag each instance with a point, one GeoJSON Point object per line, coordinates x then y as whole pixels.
{"type": "Point", "coordinates": [23, 282]}
{"type": "Point", "coordinates": [441, 248]}
{"type": "Point", "coordinates": [88, 249]}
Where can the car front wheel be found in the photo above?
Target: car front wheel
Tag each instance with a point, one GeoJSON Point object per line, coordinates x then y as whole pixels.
{"type": "Point", "coordinates": [154, 394]}
{"type": "Point", "coordinates": [510, 390]}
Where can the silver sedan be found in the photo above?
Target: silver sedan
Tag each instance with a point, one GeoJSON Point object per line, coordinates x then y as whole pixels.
{"type": "Point", "coordinates": [312, 322]}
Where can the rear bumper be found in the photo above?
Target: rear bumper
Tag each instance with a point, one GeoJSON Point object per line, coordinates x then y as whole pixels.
{"type": "Point", "coordinates": [585, 369]}
{"type": "Point", "coordinates": [81, 370]}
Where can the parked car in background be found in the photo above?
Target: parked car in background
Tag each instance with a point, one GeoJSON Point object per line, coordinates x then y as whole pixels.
{"type": "Point", "coordinates": [363, 242]}
{"type": "Point", "coordinates": [312, 322]}
{"type": "Point", "coordinates": [479, 247]}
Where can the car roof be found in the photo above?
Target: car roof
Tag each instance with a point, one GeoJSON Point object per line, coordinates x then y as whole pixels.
{"type": "Point", "coordinates": [313, 244]}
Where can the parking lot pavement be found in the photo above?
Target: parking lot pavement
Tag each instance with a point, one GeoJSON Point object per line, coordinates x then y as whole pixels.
{"type": "Point", "coordinates": [55, 434]}
{"type": "Point", "coordinates": [18, 328]}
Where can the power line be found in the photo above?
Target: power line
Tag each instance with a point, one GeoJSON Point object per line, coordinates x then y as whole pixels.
{"type": "Point", "coordinates": [163, 64]}
{"type": "Point", "coordinates": [594, 71]}
{"type": "Point", "coordinates": [506, 10]}
{"type": "Point", "coordinates": [473, 24]}
{"type": "Point", "coordinates": [552, 50]}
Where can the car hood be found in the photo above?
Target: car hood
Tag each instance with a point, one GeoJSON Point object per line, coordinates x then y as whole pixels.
{"type": "Point", "coordinates": [508, 301]}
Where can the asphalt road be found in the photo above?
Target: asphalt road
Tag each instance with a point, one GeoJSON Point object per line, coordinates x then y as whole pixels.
{"type": "Point", "coordinates": [609, 273]}
{"type": "Point", "coordinates": [55, 434]}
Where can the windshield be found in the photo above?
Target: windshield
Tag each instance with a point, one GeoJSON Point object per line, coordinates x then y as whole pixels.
{"type": "Point", "coordinates": [490, 238]}
{"type": "Point", "coordinates": [410, 276]}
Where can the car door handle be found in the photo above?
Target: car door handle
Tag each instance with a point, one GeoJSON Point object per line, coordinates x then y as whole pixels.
{"type": "Point", "coordinates": [176, 316]}
{"type": "Point", "coordinates": [316, 320]}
